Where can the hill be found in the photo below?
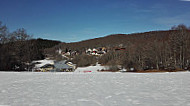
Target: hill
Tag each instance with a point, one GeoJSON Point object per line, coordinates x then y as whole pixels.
{"type": "Point", "coordinates": [117, 39]}
{"type": "Point", "coordinates": [149, 50]}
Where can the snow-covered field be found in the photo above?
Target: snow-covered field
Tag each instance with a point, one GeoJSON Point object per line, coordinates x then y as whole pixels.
{"type": "Point", "coordinates": [94, 89]}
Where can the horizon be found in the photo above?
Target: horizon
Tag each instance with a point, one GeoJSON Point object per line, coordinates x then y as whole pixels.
{"type": "Point", "coordinates": [75, 21]}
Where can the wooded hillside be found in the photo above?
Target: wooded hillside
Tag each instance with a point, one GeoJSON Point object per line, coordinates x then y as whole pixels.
{"type": "Point", "coordinates": [161, 50]}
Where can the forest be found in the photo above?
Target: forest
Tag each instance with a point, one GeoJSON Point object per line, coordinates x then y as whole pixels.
{"type": "Point", "coordinates": [169, 52]}
{"type": "Point", "coordinates": [18, 49]}
{"type": "Point", "coordinates": [154, 50]}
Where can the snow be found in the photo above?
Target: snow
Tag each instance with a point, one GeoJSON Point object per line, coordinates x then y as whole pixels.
{"type": "Point", "coordinates": [90, 68]}
{"type": "Point", "coordinates": [43, 62]}
{"type": "Point", "coordinates": [94, 89]}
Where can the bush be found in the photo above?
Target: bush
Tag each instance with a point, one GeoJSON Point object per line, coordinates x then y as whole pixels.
{"type": "Point", "coordinates": [113, 68]}
{"type": "Point", "coordinates": [84, 60]}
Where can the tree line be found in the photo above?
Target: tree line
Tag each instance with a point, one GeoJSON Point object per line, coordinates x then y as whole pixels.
{"type": "Point", "coordinates": [171, 53]}
{"type": "Point", "coordinates": [18, 49]}
{"type": "Point", "coordinates": [160, 50]}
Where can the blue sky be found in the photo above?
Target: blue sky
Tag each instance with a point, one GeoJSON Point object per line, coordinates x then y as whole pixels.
{"type": "Point", "coordinates": [76, 20]}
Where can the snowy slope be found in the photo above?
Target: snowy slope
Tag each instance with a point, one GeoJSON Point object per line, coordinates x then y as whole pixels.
{"type": "Point", "coordinates": [95, 89]}
{"type": "Point", "coordinates": [90, 68]}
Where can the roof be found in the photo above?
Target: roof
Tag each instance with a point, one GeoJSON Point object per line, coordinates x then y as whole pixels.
{"type": "Point", "coordinates": [62, 65]}
{"type": "Point", "coordinates": [47, 66]}
{"type": "Point", "coordinates": [40, 63]}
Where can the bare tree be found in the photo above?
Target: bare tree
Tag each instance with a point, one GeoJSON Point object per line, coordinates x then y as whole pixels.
{"type": "Point", "coordinates": [3, 34]}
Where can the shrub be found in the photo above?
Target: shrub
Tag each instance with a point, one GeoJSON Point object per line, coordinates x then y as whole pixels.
{"type": "Point", "coordinates": [84, 60]}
